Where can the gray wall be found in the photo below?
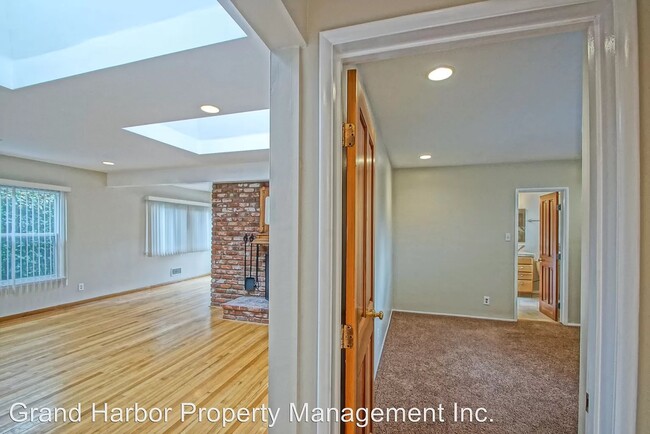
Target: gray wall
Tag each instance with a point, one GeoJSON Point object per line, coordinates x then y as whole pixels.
{"type": "Point", "coordinates": [449, 235]}
{"type": "Point", "coordinates": [383, 246]}
{"type": "Point", "coordinates": [106, 229]}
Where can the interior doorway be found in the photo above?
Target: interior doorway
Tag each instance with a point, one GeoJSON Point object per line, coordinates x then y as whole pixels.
{"type": "Point", "coordinates": [542, 252]}
{"type": "Point", "coordinates": [613, 182]}
{"type": "Point", "coordinates": [451, 261]}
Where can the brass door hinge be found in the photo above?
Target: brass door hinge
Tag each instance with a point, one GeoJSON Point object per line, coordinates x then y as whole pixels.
{"type": "Point", "coordinates": [348, 135]}
{"type": "Point", "coordinates": [347, 336]}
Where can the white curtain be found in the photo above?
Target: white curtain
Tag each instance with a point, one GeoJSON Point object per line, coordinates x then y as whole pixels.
{"type": "Point", "coordinates": [33, 238]}
{"type": "Point", "coordinates": [199, 231]}
{"type": "Point", "coordinates": [175, 228]}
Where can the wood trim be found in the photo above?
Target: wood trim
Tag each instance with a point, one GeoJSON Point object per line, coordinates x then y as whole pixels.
{"type": "Point", "coordinates": [263, 227]}
{"type": "Point", "coordinates": [89, 300]}
{"type": "Point", "coordinates": [350, 255]}
{"type": "Point", "coordinates": [549, 244]}
{"type": "Point", "coordinates": [262, 237]}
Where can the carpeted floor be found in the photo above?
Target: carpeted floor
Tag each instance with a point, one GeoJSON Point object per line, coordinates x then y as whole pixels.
{"type": "Point", "coordinates": [525, 374]}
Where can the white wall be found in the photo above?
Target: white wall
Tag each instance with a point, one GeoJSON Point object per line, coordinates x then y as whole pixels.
{"type": "Point", "coordinates": [383, 246]}
{"type": "Point", "coordinates": [105, 237]}
{"type": "Point", "coordinates": [449, 236]}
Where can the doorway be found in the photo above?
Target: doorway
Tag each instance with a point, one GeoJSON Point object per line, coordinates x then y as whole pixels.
{"type": "Point", "coordinates": [608, 211]}
{"type": "Point", "coordinates": [451, 259]}
{"type": "Point", "coordinates": [535, 232]}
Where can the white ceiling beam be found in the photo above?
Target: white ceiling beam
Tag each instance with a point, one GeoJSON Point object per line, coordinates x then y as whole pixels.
{"type": "Point", "coordinates": [271, 20]}
{"type": "Point", "coordinates": [242, 172]}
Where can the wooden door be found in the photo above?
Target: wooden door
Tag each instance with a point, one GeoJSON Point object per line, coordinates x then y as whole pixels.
{"type": "Point", "coordinates": [358, 284]}
{"type": "Point", "coordinates": [548, 255]}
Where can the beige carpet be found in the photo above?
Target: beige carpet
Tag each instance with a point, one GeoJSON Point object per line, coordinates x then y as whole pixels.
{"type": "Point", "coordinates": [525, 374]}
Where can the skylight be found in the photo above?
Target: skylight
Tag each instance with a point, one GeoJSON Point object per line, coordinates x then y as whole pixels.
{"type": "Point", "coordinates": [45, 40]}
{"type": "Point", "coordinates": [246, 131]}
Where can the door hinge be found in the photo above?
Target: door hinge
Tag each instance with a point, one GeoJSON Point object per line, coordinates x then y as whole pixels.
{"type": "Point", "coordinates": [347, 336]}
{"type": "Point", "coordinates": [587, 403]}
{"type": "Point", "coordinates": [559, 255]}
{"type": "Point", "coordinates": [558, 304]}
{"type": "Point", "coordinates": [348, 135]}
{"type": "Point", "coordinates": [559, 207]}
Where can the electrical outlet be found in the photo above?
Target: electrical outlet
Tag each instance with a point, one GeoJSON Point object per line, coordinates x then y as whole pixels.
{"type": "Point", "coordinates": [486, 300]}
{"type": "Point", "coordinates": [508, 236]}
{"type": "Point", "coordinates": [81, 287]}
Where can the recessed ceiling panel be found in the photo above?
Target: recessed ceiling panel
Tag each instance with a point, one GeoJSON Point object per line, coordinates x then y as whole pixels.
{"type": "Point", "coordinates": [42, 40]}
{"type": "Point", "coordinates": [237, 132]}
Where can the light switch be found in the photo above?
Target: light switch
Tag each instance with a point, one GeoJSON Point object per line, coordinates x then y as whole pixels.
{"type": "Point", "coordinates": [508, 236]}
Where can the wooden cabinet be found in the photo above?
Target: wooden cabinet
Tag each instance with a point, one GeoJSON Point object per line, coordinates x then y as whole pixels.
{"type": "Point", "coordinates": [527, 276]}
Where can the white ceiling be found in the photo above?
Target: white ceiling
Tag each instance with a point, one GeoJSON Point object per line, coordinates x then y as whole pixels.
{"type": "Point", "coordinates": [42, 42]}
{"type": "Point", "coordinates": [508, 102]}
{"type": "Point", "coordinates": [78, 121]}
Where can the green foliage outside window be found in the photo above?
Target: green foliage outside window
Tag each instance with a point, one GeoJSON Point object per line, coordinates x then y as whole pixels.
{"type": "Point", "coordinates": [28, 234]}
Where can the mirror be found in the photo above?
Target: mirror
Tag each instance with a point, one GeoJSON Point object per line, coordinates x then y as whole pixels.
{"type": "Point", "coordinates": [521, 225]}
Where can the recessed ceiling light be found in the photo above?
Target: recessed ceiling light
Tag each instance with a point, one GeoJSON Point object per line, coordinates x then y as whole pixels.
{"type": "Point", "coordinates": [108, 163]}
{"type": "Point", "coordinates": [210, 109]}
{"type": "Point", "coordinates": [441, 73]}
{"type": "Point", "coordinates": [425, 157]}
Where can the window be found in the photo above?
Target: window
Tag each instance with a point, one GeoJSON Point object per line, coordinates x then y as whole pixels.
{"type": "Point", "coordinates": [32, 235]}
{"type": "Point", "coordinates": [177, 226]}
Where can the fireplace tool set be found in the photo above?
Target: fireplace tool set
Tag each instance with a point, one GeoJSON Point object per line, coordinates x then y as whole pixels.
{"type": "Point", "coordinates": [251, 282]}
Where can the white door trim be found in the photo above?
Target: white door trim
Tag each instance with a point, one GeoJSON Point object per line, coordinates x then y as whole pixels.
{"type": "Point", "coordinates": [564, 243]}
{"type": "Point", "coordinates": [611, 273]}
{"type": "Point", "coordinates": [271, 21]}
{"type": "Point", "coordinates": [284, 233]}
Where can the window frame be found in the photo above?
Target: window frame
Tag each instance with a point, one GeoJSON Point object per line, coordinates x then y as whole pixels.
{"type": "Point", "coordinates": [59, 232]}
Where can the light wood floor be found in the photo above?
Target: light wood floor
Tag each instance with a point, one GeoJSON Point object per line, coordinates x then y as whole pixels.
{"type": "Point", "coordinates": [528, 309]}
{"type": "Point", "coordinates": [159, 348]}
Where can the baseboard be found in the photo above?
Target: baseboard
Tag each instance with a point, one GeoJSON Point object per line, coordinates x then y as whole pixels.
{"type": "Point", "coordinates": [88, 300]}
{"type": "Point", "coordinates": [572, 324]}
{"type": "Point", "coordinates": [383, 341]}
{"type": "Point", "coordinates": [455, 315]}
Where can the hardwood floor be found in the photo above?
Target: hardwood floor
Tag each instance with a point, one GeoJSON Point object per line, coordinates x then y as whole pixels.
{"type": "Point", "coordinates": [528, 309]}
{"type": "Point", "coordinates": [157, 348]}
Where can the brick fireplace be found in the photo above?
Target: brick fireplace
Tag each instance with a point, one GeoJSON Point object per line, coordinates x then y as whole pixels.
{"type": "Point", "coordinates": [236, 212]}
